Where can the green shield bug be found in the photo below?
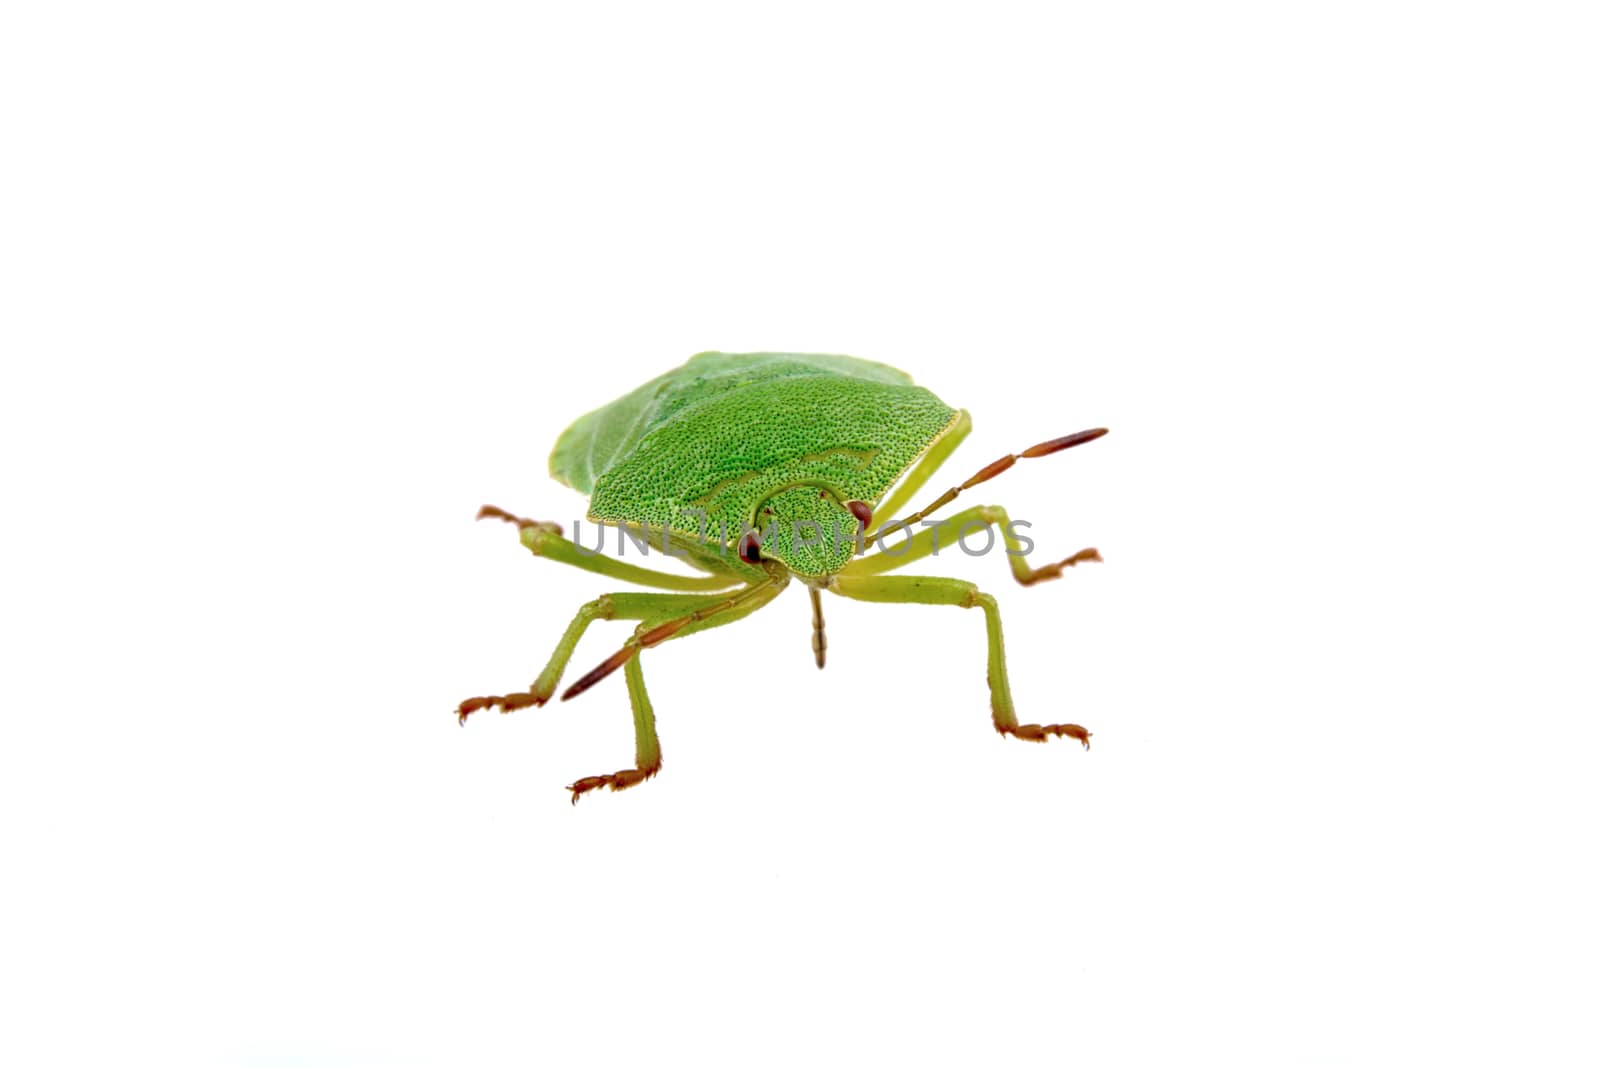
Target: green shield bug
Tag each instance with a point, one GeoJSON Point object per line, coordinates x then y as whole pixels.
{"type": "Point", "coordinates": [758, 469]}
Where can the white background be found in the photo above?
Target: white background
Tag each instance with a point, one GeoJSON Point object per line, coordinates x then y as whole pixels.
{"type": "Point", "coordinates": [290, 290]}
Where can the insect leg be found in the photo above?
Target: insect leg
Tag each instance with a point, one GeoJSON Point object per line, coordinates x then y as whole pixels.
{"type": "Point", "coordinates": [646, 745]}
{"type": "Point", "coordinates": [719, 613]}
{"type": "Point", "coordinates": [610, 606]}
{"type": "Point", "coordinates": [955, 593]}
{"type": "Point", "coordinates": [1004, 463]}
{"type": "Point", "coordinates": [647, 755]}
{"type": "Point", "coordinates": [544, 539]}
{"type": "Point", "coordinates": [944, 538]}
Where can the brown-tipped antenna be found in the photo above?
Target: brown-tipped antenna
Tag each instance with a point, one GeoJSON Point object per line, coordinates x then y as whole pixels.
{"type": "Point", "coordinates": [617, 659]}
{"type": "Point", "coordinates": [1004, 463]}
{"type": "Point", "coordinates": [1082, 437]}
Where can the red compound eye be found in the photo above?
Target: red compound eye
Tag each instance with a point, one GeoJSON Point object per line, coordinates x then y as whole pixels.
{"type": "Point", "coordinates": [862, 512]}
{"type": "Point", "coordinates": [750, 548]}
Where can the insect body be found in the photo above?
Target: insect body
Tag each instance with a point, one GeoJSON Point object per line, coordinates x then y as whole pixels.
{"type": "Point", "coordinates": [760, 469]}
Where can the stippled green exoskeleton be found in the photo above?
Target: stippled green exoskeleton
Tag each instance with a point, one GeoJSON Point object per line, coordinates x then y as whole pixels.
{"type": "Point", "coordinates": [757, 469]}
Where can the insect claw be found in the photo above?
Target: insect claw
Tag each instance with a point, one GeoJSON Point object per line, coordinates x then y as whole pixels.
{"type": "Point", "coordinates": [1075, 732]}
{"type": "Point", "coordinates": [506, 704]}
{"type": "Point", "coordinates": [1034, 732]}
{"type": "Point", "coordinates": [1053, 570]}
{"type": "Point", "coordinates": [489, 511]}
{"type": "Point", "coordinates": [615, 782]}
{"type": "Point", "coordinates": [470, 705]}
{"type": "Point", "coordinates": [583, 785]}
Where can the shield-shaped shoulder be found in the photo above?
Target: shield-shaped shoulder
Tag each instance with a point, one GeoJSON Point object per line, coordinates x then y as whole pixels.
{"type": "Point", "coordinates": [724, 431]}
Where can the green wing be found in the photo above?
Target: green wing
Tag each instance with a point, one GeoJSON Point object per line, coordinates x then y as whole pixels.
{"type": "Point", "coordinates": [724, 432]}
{"type": "Point", "coordinates": [597, 441]}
